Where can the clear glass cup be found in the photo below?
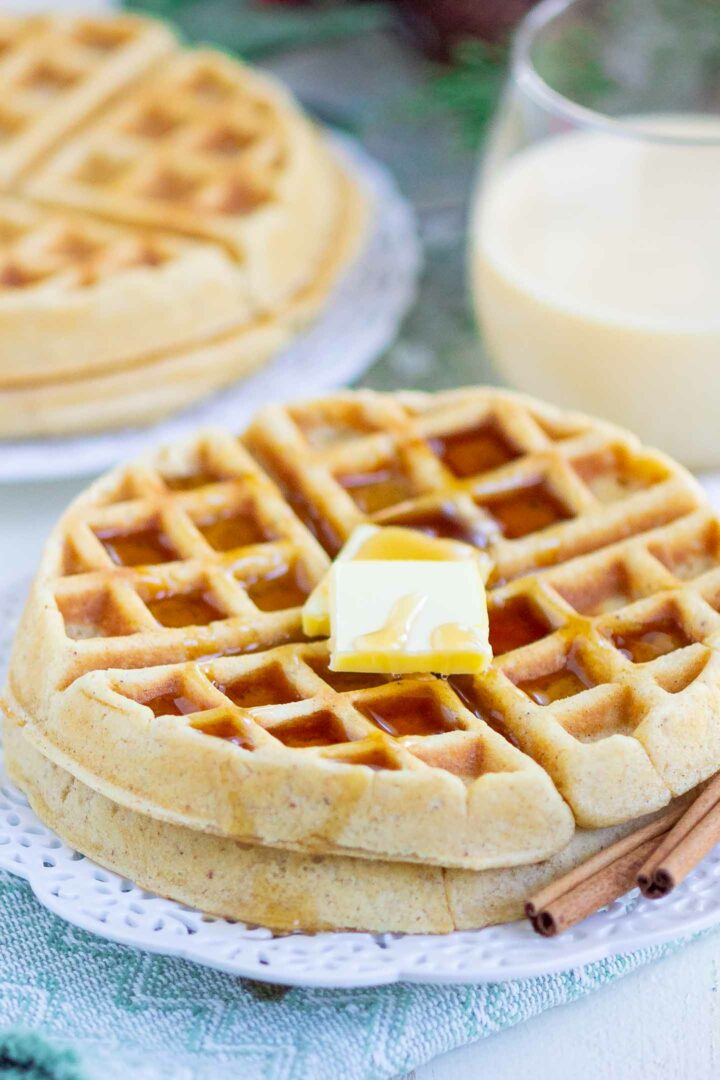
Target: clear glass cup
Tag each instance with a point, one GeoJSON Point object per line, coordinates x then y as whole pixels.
{"type": "Point", "coordinates": [595, 233]}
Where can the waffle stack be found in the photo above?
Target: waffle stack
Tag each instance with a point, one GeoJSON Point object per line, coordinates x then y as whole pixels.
{"type": "Point", "coordinates": [166, 715]}
{"type": "Point", "coordinates": [168, 220]}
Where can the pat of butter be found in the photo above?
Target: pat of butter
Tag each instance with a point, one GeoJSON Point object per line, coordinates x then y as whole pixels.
{"type": "Point", "coordinates": [371, 542]}
{"type": "Point", "coordinates": [398, 617]}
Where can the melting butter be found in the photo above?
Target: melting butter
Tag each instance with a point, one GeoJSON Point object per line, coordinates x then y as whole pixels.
{"type": "Point", "coordinates": [406, 616]}
{"type": "Point", "coordinates": [388, 543]}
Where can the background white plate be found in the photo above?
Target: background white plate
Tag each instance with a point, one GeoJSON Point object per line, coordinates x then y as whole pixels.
{"type": "Point", "coordinates": [361, 320]}
{"type": "Point", "coordinates": [81, 892]}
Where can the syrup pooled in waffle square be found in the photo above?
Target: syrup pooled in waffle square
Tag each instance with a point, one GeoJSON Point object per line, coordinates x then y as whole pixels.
{"type": "Point", "coordinates": [76, 277]}
{"type": "Point", "coordinates": [208, 148]}
{"type": "Point", "coordinates": [55, 71]}
{"type": "Point", "coordinates": [194, 554]}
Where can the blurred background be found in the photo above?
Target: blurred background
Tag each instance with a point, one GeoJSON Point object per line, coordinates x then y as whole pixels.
{"type": "Point", "coordinates": [627, 239]}
{"type": "Point", "coordinates": [417, 82]}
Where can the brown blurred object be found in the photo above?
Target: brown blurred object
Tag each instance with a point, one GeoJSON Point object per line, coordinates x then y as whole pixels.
{"type": "Point", "coordinates": [436, 25]}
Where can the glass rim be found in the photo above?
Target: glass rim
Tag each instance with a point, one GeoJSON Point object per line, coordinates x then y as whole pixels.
{"type": "Point", "coordinates": [527, 78]}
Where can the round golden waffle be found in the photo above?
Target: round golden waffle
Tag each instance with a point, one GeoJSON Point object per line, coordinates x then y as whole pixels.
{"type": "Point", "coordinates": [154, 202]}
{"type": "Point", "coordinates": [160, 657]}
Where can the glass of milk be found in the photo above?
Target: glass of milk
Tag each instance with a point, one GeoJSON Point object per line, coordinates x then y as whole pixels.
{"type": "Point", "coordinates": [595, 236]}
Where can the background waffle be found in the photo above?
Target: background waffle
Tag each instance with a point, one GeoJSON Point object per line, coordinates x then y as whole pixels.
{"type": "Point", "coordinates": [283, 890]}
{"type": "Point", "coordinates": [79, 296]}
{"type": "Point", "coordinates": [55, 71]}
{"type": "Point", "coordinates": [164, 627]}
{"type": "Point", "coordinates": [209, 148]}
{"type": "Point", "coordinates": [143, 390]}
{"type": "Point", "coordinates": [160, 209]}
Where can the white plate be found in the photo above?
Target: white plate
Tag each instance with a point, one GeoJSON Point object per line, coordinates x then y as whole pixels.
{"type": "Point", "coordinates": [359, 323]}
{"type": "Point", "coordinates": [82, 893]}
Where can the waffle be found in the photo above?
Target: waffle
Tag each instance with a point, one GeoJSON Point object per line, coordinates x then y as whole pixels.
{"type": "Point", "coordinates": [208, 148]}
{"type": "Point", "coordinates": [55, 71]}
{"type": "Point", "coordinates": [143, 392]}
{"type": "Point", "coordinates": [145, 389]}
{"type": "Point", "coordinates": [184, 643]}
{"type": "Point", "coordinates": [78, 296]}
{"type": "Point", "coordinates": [281, 889]}
{"type": "Point", "coordinates": [160, 209]}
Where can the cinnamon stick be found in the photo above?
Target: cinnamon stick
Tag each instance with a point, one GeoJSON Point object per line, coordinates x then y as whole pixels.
{"type": "Point", "coordinates": [689, 841]}
{"type": "Point", "coordinates": [603, 878]}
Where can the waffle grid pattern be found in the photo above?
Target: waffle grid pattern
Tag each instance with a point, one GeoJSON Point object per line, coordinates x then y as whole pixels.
{"type": "Point", "coordinates": [169, 218]}
{"type": "Point", "coordinates": [603, 612]}
{"type": "Point", "coordinates": [215, 549]}
{"type": "Point", "coordinates": [39, 248]}
{"type": "Point", "coordinates": [194, 140]}
{"type": "Point", "coordinates": [588, 650]}
{"type": "Point", "coordinates": [54, 70]}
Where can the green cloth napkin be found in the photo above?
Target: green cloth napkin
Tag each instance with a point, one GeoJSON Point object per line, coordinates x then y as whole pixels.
{"type": "Point", "coordinates": [76, 1007]}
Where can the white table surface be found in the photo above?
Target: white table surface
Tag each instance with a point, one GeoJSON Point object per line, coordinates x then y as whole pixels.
{"type": "Point", "coordinates": [666, 1016]}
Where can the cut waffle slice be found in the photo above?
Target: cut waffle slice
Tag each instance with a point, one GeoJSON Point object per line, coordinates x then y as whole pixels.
{"type": "Point", "coordinates": [56, 71]}
{"type": "Point", "coordinates": [79, 296]}
{"type": "Point", "coordinates": [209, 148]}
{"type": "Point", "coordinates": [280, 889]}
{"type": "Point", "coordinates": [586, 531]}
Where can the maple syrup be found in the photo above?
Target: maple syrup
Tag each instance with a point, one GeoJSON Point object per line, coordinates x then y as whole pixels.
{"type": "Point", "coordinates": [172, 703]}
{"type": "Point", "coordinates": [231, 529]}
{"type": "Point", "coordinates": [319, 729]}
{"type": "Point", "coordinates": [525, 509]}
{"type": "Point", "coordinates": [443, 522]}
{"type": "Point", "coordinates": [176, 609]}
{"type": "Point", "coordinates": [464, 687]}
{"type": "Point", "coordinates": [343, 681]}
{"type": "Point", "coordinates": [279, 590]}
{"type": "Point", "coordinates": [264, 686]}
{"type": "Point", "coordinates": [138, 547]}
{"type": "Point", "coordinates": [515, 623]}
{"type": "Point", "coordinates": [225, 728]}
{"type": "Point", "coordinates": [375, 490]}
{"type": "Point", "coordinates": [372, 755]}
{"type": "Point", "coordinates": [417, 712]}
{"type": "Point", "coordinates": [477, 450]}
{"type": "Point", "coordinates": [311, 518]}
{"type": "Point", "coordinates": [657, 638]}
{"type": "Point", "coordinates": [566, 681]}
{"type": "Point", "coordinates": [393, 635]}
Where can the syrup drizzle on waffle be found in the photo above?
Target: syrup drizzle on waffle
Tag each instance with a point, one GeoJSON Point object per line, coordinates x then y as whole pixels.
{"type": "Point", "coordinates": [179, 583]}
